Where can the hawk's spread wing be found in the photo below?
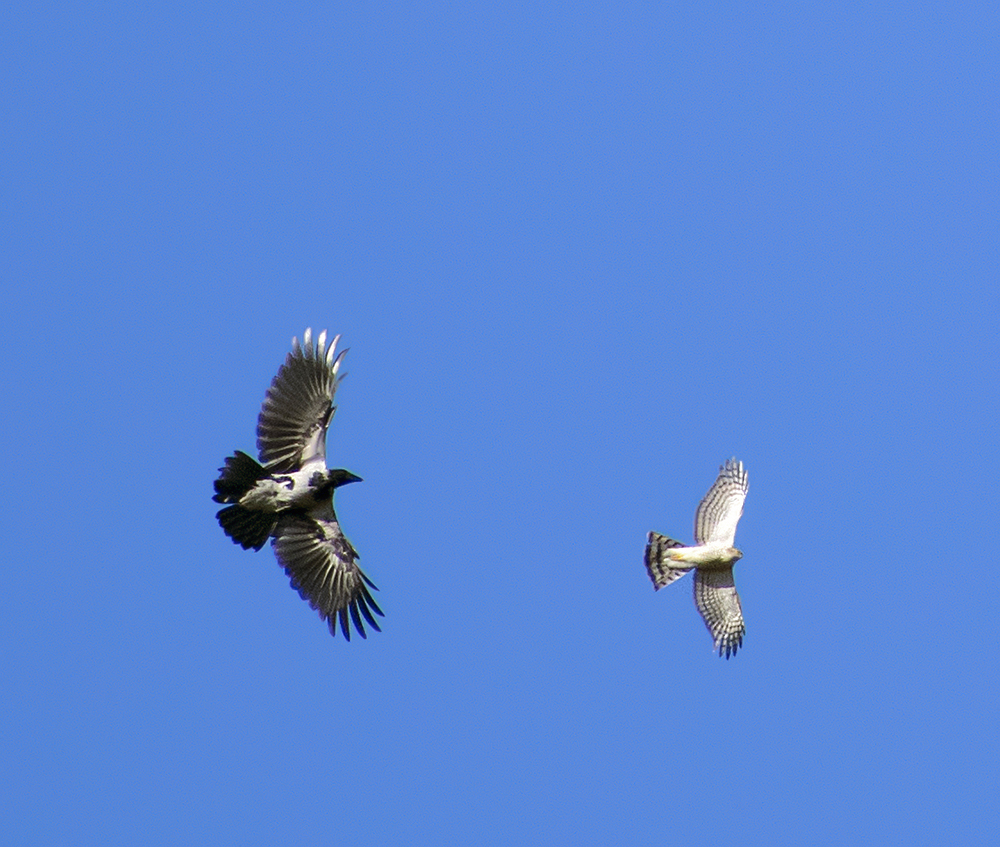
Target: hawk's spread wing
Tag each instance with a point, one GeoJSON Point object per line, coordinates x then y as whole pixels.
{"type": "Point", "coordinates": [720, 510]}
{"type": "Point", "coordinates": [298, 407]}
{"type": "Point", "coordinates": [716, 598]}
{"type": "Point", "coordinates": [320, 563]}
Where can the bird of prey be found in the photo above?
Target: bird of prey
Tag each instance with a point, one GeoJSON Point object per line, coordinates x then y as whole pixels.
{"type": "Point", "coordinates": [288, 496]}
{"type": "Point", "coordinates": [712, 558]}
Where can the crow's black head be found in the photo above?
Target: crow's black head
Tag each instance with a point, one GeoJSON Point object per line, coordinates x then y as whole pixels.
{"type": "Point", "coordinates": [341, 477]}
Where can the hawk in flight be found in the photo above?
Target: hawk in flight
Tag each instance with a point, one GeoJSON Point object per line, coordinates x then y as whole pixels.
{"type": "Point", "coordinates": [288, 496]}
{"type": "Point", "coordinates": [712, 558]}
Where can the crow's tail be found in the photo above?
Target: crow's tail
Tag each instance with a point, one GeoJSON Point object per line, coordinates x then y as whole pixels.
{"type": "Point", "coordinates": [239, 475]}
{"type": "Point", "coordinates": [246, 527]}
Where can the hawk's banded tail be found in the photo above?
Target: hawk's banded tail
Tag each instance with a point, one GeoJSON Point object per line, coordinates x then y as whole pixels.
{"type": "Point", "coordinates": [661, 568]}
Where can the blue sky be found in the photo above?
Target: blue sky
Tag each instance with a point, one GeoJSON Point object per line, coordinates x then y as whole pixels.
{"type": "Point", "coordinates": [581, 255]}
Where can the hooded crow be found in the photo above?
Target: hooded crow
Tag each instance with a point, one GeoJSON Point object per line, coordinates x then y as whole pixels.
{"type": "Point", "coordinates": [288, 495]}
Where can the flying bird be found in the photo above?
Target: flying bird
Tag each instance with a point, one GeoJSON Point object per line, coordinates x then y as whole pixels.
{"type": "Point", "coordinates": [712, 558]}
{"type": "Point", "coordinates": [288, 495]}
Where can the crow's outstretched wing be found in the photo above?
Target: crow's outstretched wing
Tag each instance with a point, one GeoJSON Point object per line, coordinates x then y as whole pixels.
{"type": "Point", "coordinates": [298, 407]}
{"type": "Point", "coordinates": [321, 564]}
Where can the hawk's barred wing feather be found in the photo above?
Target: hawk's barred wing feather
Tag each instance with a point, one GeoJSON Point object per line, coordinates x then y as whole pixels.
{"type": "Point", "coordinates": [719, 604]}
{"type": "Point", "coordinates": [720, 509]}
{"type": "Point", "coordinates": [298, 407]}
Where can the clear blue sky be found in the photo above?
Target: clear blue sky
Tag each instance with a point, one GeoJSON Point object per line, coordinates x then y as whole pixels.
{"type": "Point", "coordinates": [581, 255]}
